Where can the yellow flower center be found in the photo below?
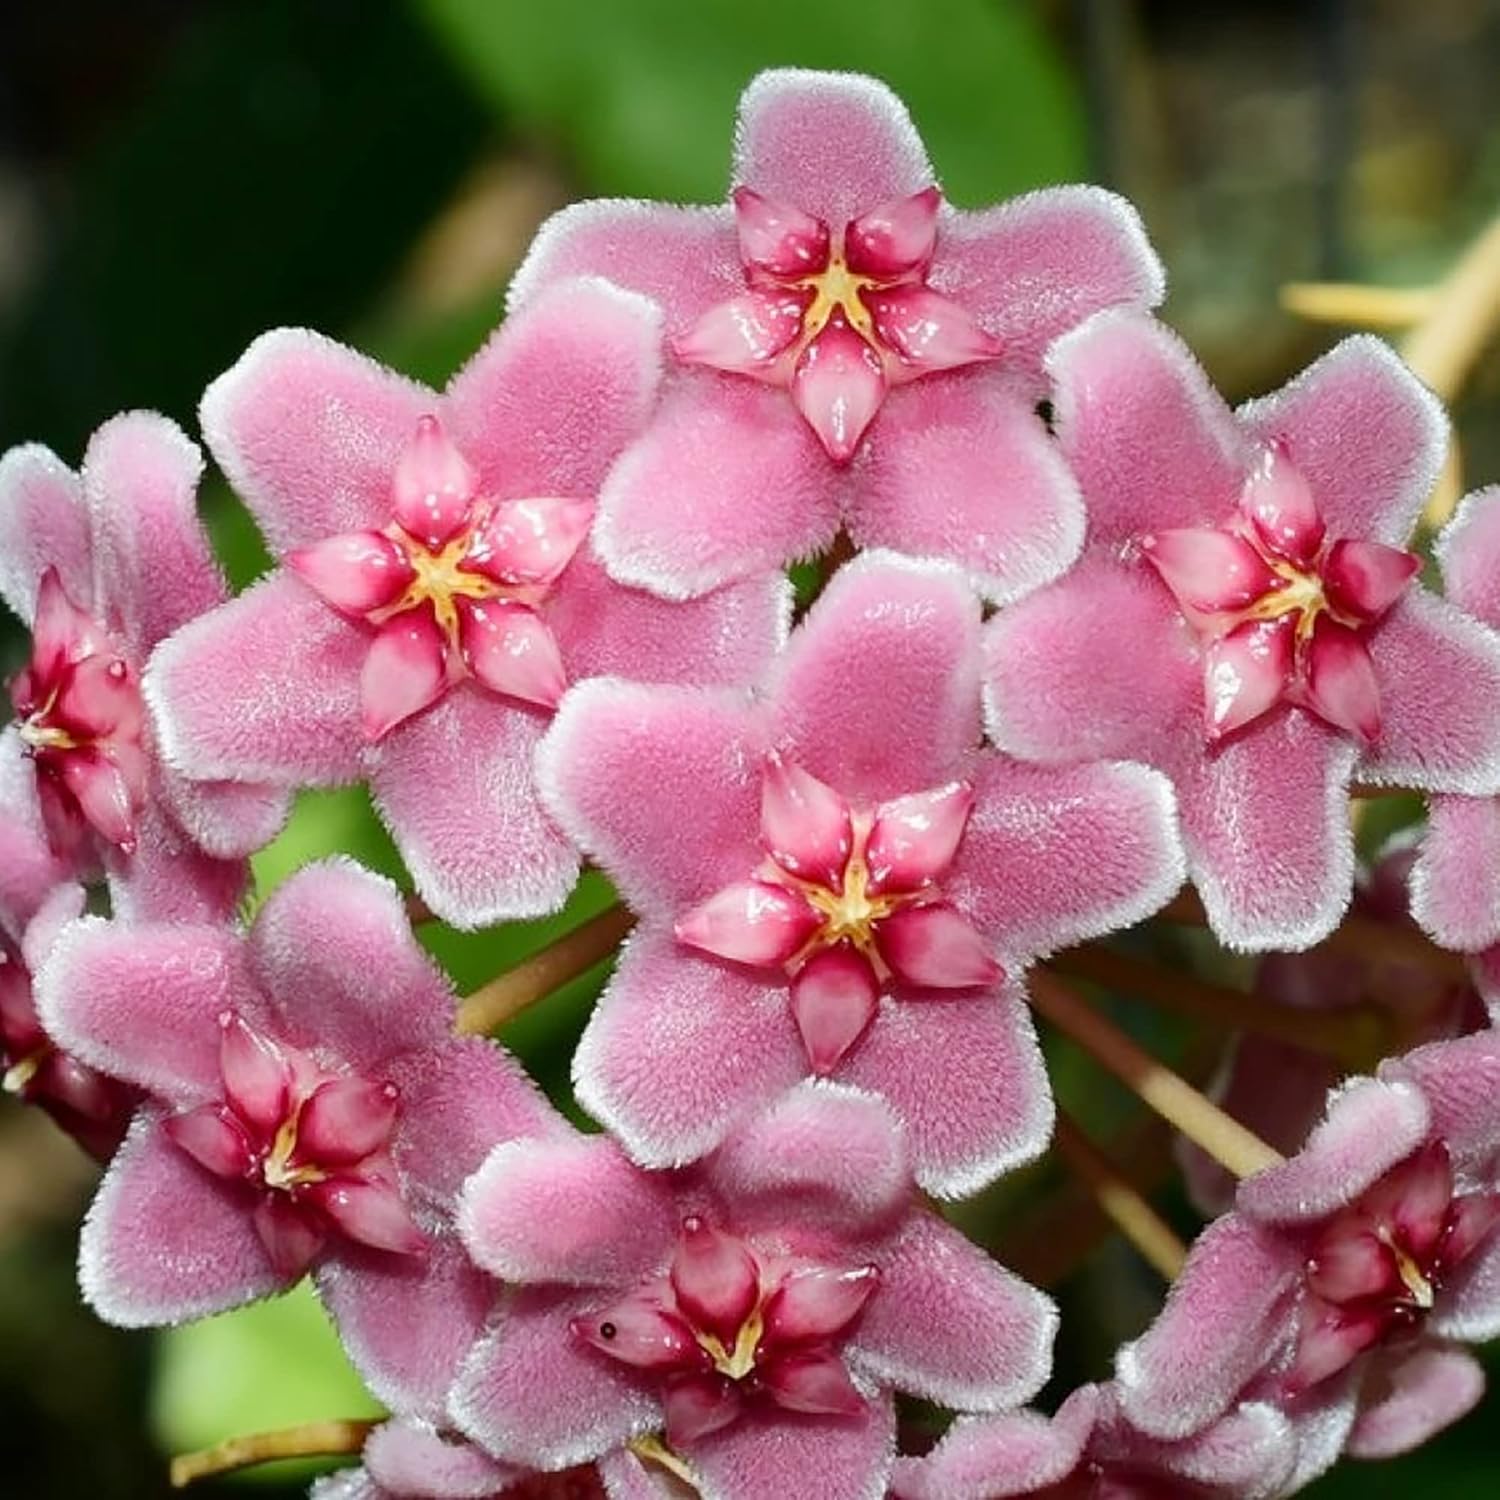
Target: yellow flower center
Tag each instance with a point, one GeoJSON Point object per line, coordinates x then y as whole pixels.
{"type": "Point", "coordinates": [836, 289]}
{"type": "Point", "coordinates": [739, 1361]}
{"type": "Point", "coordinates": [440, 579]}
{"type": "Point", "coordinates": [277, 1170]}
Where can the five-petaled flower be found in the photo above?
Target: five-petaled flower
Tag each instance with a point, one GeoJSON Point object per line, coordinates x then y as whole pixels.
{"type": "Point", "coordinates": [1250, 561]}
{"type": "Point", "coordinates": [437, 595]}
{"type": "Point", "coordinates": [909, 335]}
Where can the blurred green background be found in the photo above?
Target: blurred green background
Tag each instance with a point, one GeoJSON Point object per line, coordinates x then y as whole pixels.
{"type": "Point", "coordinates": [176, 176]}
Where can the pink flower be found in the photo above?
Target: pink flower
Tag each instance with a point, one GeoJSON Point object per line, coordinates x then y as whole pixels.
{"type": "Point", "coordinates": [104, 564]}
{"type": "Point", "coordinates": [1089, 1450]}
{"type": "Point", "coordinates": [307, 1105]}
{"type": "Point", "coordinates": [1244, 619]}
{"type": "Point", "coordinates": [1344, 1280]}
{"type": "Point", "coordinates": [436, 596]}
{"type": "Point", "coordinates": [849, 350]}
{"type": "Point", "coordinates": [833, 878]}
{"type": "Point", "coordinates": [756, 1311]}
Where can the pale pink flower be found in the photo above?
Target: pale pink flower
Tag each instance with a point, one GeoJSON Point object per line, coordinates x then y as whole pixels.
{"type": "Point", "coordinates": [848, 349]}
{"type": "Point", "coordinates": [752, 1314]}
{"type": "Point", "coordinates": [1244, 616]}
{"type": "Point", "coordinates": [307, 1106]}
{"type": "Point", "coordinates": [1344, 1282]}
{"type": "Point", "coordinates": [834, 878]}
{"type": "Point", "coordinates": [437, 593]}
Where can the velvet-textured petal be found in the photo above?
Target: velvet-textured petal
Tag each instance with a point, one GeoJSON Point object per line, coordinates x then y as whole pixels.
{"type": "Point", "coordinates": [1439, 676]}
{"type": "Point", "coordinates": [43, 524]}
{"type": "Point", "coordinates": [1151, 442]}
{"type": "Point", "coordinates": [1468, 550]}
{"type": "Point", "coordinates": [965, 1077]}
{"type": "Point", "coordinates": [1364, 432]}
{"type": "Point", "coordinates": [1052, 857]}
{"type": "Point", "coordinates": [1459, 1080]}
{"type": "Point", "coordinates": [652, 1062]}
{"type": "Point", "coordinates": [309, 433]}
{"type": "Point", "coordinates": [834, 144]}
{"type": "Point", "coordinates": [407, 1458]}
{"type": "Point", "coordinates": [949, 1324]}
{"type": "Point", "coordinates": [29, 870]}
{"type": "Point", "coordinates": [455, 787]}
{"type": "Point", "coordinates": [726, 482]}
{"type": "Point", "coordinates": [534, 1394]}
{"type": "Point", "coordinates": [1455, 882]}
{"type": "Point", "coordinates": [1406, 1400]}
{"type": "Point", "coordinates": [265, 687]}
{"type": "Point", "coordinates": [961, 468]}
{"type": "Point", "coordinates": [878, 691]}
{"type": "Point", "coordinates": [165, 1241]}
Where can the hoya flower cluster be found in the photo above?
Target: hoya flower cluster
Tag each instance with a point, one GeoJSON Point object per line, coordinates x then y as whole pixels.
{"type": "Point", "coordinates": [1082, 633]}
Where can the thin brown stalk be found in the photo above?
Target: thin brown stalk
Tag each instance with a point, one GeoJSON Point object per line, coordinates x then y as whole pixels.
{"type": "Point", "coordinates": [333, 1439]}
{"type": "Point", "coordinates": [1445, 346]}
{"type": "Point", "coordinates": [1358, 306]}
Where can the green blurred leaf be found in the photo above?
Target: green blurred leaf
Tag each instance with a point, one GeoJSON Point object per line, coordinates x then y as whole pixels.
{"type": "Point", "coordinates": [641, 96]}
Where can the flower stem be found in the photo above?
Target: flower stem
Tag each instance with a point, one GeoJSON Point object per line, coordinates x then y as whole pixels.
{"type": "Point", "coordinates": [332, 1439]}
{"type": "Point", "coordinates": [1129, 1211]}
{"type": "Point", "coordinates": [1358, 306]}
{"type": "Point", "coordinates": [537, 977]}
{"type": "Point", "coordinates": [418, 911]}
{"type": "Point", "coordinates": [1445, 346]}
{"type": "Point", "coordinates": [1236, 1149]}
{"type": "Point", "coordinates": [1356, 1036]}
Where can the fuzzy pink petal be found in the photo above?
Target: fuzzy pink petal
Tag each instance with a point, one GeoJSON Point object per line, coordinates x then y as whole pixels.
{"type": "Point", "coordinates": [533, 1393]}
{"type": "Point", "coordinates": [726, 482]}
{"type": "Point", "coordinates": [43, 524]}
{"type": "Point", "coordinates": [776, 1452]}
{"type": "Point", "coordinates": [334, 951]}
{"type": "Point", "coordinates": [949, 1324]}
{"type": "Point", "coordinates": [432, 485]}
{"type": "Point", "coordinates": [546, 406]}
{"type": "Point", "coordinates": [143, 1002]}
{"type": "Point", "coordinates": [1052, 857]}
{"type": "Point", "coordinates": [685, 259]}
{"type": "Point", "coordinates": [1364, 432]}
{"type": "Point", "coordinates": [407, 1321]}
{"type": "Point", "coordinates": [782, 1156]}
{"type": "Point", "coordinates": [749, 922]}
{"type": "Point", "coordinates": [962, 468]}
{"type": "Point", "coordinates": [810, 1380]}
{"type": "Point", "coordinates": [778, 238]}
{"type": "Point", "coordinates": [913, 630]}
{"type": "Point", "coordinates": [168, 879]}
{"type": "Point", "coordinates": [1439, 675]}
{"type": "Point", "coordinates": [165, 1241]}
{"type": "Point", "coordinates": [228, 819]}
{"type": "Point", "coordinates": [896, 238]}
{"type": "Point", "coordinates": [834, 997]}
{"type": "Point", "coordinates": [1151, 442]}
{"type": "Point", "coordinates": [715, 1279]}
{"type": "Point", "coordinates": [1468, 1308]}
{"type": "Point", "coordinates": [1455, 883]}
{"type": "Point", "coordinates": [355, 571]}
{"type": "Point", "coordinates": [936, 947]}
{"type": "Point", "coordinates": [818, 1303]}
{"type": "Point", "coordinates": [454, 786]}
{"type": "Point", "coordinates": [804, 823]}
{"type": "Point", "coordinates": [624, 764]}
{"type": "Point", "coordinates": [1220, 1324]}
{"type": "Point", "coordinates": [532, 540]}
{"type": "Point", "coordinates": [1365, 578]}
{"type": "Point", "coordinates": [833, 144]}
{"type": "Point", "coordinates": [651, 1065]}
{"type": "Point", "coordinates": [571, 1210]}
{"type": "Point", "coordinates": [256, 1072]}
{"type": "Point", "coordinates": [743, 335]}
{"type": "Point", "coordinates": [1371, 1126]}
{"type": "Point", "coordinates": [409, 1459]}
{"type": "Point", "coordinates": [309, 433]}
{"type": "Point", "coordinates": [1246, 673]}
{"type": "Point", "coordinates": [29, 870]}
{"type": "Point", "coordinates": [405, 671]}
{"type": "Point", "coordinates": [1341, 683]}
{"type": "Point", "coordinates": [265, 687]}
{"type": "Point", "coordinates": [511, 651]}
{"type": "Point", "coordinates": [1281, 508]}
{"type": "Point", "coordinates": [913, 838]}
{"type": "Point", "coordinates": [1406, 1400]}
{"type": "Point", "coordinates": [1459, 1080]}
{"type": "Point", "coordinates": [1279, 872]}
{"type": "Point", "coordinates": [965, 1077]}
{"type": "Point", "coordinates": [1468, 549]}
{"type": "Point", "coordinates": [727, 636]}
{"type": "Point", "coordinates": [1053, 688]}
{"type": "Point", "coordinates": [927, 331]}
{"type": "Point", "coordinates": [345, 1119]}
{"type": "Point", "coordinates": [1208, 569]}
{"type": "Point", "coordinates": [838, 385]}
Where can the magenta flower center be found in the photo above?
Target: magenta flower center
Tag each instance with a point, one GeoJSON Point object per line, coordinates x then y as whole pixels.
{"type": "Point", "coordinates": [727, 1324]}
{"type": "Point", "coordinates": [452, 586]}
{"type": "Point", "coordinates": [82, 719]}
{"type": "Point", "coordinates": [845, 902]}
{"type": "Point", "coordinates": [1376, 1269]}
{"type": "Point", "coordinates": [313, 1145]}
{"type": "Point", "coordinates": [1285, 613]}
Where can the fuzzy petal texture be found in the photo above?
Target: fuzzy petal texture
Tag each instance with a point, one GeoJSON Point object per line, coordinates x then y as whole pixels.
{"type": "Point", "coordinates": [909, 629]}
{"type": "Point", "coordinates": [1459, 1080]}
{"type": "Point", "coordinates": [948, 1324]}
{"type": "Point", "coordinates": [225, 705]}
{"type": "Point", "coordinates": [309, 434]}
{"type": "Point", "coordinates": [1409, 1398]}
{"type": "Point", "coordinates": [1014, 1453]}
{"type": "Point", "coordinates": [965, 1077]}
{"type": "Point", "coordinates": [1364, 432]}
{"type": "Point", "coordinates": [722, 485]}
{"type": "Point", "coordinates": [43, 524]}
{"type": "Point", "coordinates": [407, 1458]}
{"type": "Point", "coordinates": [1211, 1336]}
{"type": "Point", "coordinates": [454, 786]}
{"type": "Point", "coordinates": [1455, 882]}
{"type": "Point", "coordinates": [164, 1241]}
{"type": "Point", "coordinates": [651, 1064]}
{"type": "Point", "coordinates": [1052, 857]}
{"type": "Point", "coordinates": [533, 1394]}
{"type": "Point", "coordinates": [1468, 550]}
{"type": "Point", "coordinates": [962, 469]}
{"type": "Point", "coordinates": [29, 871]}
